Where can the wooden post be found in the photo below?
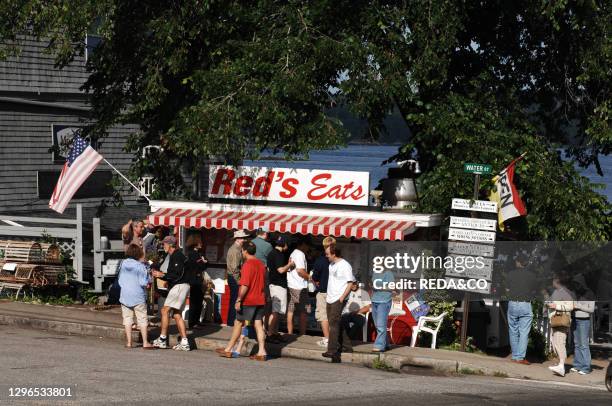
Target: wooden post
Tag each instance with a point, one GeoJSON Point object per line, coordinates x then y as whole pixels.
{"type": "Point", "coordinates": [466, 295]}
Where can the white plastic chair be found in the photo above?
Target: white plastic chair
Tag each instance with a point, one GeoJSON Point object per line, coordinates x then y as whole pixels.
{"type": "Point", "coordinates": [421, 327]}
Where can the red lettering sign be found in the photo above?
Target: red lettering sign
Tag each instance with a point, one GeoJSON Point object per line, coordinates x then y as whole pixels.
{"type": "Point", "coordinates": [282, 184]}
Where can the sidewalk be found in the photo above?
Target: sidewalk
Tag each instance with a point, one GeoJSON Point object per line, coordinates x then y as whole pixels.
{"type": "Point", "coordinates": [87, 321]}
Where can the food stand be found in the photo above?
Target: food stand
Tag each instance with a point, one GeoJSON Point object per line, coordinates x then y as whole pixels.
{"type": "Point", "coordinates": [337, 205]}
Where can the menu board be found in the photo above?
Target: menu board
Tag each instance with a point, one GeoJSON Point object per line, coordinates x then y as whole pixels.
{"type": "Point", "coordinates": [216, 242]}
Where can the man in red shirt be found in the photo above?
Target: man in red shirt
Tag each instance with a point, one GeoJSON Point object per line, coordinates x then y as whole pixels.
{"type": "Point", "coordinates": [250, 303]}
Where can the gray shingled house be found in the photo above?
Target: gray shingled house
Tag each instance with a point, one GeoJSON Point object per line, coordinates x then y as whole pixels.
{"type": "Point", "coordinates": [39, 106]}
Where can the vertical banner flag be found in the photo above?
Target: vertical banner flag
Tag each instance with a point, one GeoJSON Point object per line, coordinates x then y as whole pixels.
{"type": "Point", "coordinates": [506, 195]}
{"type": "Point", "coordinates": [81, 162]}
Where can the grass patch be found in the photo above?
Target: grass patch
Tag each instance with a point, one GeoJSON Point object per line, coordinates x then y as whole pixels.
{"type": "Point", "coordinates": [500, 374]}
{"type": "Point", "coordinates": [470, 371]}
{"type": "Point", "coordinates": [382, 365]}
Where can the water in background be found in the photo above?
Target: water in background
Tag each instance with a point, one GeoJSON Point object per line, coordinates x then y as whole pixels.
{"type": "Point", "coordinates": [368, 158]}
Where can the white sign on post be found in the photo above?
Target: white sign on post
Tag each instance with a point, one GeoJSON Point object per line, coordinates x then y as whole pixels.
{"type": "Point", "coordinates": [465, 248]}
{"type": "Point", "coordinates": [459, 234]}
{"type": "Point", "coordinates": [476, 205]}
{"type": "Point", "coordinates": [289, 185]}
{"type": "Point", "coordinates": [471, 273]}
{"type": "Point", "coordinates": [473, 224]}
{"type": "Point", "coordinates": [478, 269]}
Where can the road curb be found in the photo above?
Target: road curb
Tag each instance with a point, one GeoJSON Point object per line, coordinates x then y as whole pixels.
{"type": "Point", "coordinates": [68, 327]}
{"type": "Point", "coordinates": [387, 361]}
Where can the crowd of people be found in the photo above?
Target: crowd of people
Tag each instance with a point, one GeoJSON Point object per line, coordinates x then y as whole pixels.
{"type": "Point", "coordinates": [265, 283]}
{"type": "Point", "coordinates": [569, 307]}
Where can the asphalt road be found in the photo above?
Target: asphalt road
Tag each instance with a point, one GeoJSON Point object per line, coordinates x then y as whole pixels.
{"type": "Point", "coordinates": [103, 372]}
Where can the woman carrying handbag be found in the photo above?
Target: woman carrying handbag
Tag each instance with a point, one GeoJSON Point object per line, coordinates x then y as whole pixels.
{"type": "Point", "coordinates": [560, 317]}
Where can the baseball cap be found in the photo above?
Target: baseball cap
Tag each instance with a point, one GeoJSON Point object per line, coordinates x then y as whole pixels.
{"type": "Point", "coordinates": [170, 240]}
{"type": "Point", "coordinates": [280, 241]}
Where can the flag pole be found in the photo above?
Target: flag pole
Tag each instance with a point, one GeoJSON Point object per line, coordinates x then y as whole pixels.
{"type": "Point", "coordinates": [126, 179]}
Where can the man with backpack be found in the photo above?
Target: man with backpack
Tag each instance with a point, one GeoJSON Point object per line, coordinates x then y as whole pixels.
{"type": "Point", "coordinates": [180, 275]}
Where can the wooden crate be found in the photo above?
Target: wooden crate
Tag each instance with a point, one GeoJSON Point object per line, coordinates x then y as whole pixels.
{"type": "Point", "coordinates": [26, 272]}
{"type": "Point", "coordinates": [21, 251]}
{"type": "Point", "coordinates": [49, 275]}
{"type": "Point", "coordinates": [51, 253]}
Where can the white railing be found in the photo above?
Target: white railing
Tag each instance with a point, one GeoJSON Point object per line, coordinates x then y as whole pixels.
{"type": "Point", "coordinates": [11, 226]}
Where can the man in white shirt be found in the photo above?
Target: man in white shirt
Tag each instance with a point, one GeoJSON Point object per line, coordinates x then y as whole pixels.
{"type": "Point", "coordinates": [354, 313]}
{"type": "Point", "coordinates": [338, 288]}
{"type": "Point", "coordinates": [297, 282]}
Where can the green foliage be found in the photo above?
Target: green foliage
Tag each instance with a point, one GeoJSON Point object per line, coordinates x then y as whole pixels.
{"type": "Point", "coordinates": [474, 81]}
{"type": "Point", "coordinates": [46, 299]}
{"type": "Point", "coordinates": [379, 363]}
{"type": "Point", "coordinates": [87, 296]}
{"type": "Point", "coordinates": [456, 346]}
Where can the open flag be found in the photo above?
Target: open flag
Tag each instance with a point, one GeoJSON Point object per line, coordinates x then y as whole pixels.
{"type": "Point", "coordinates": [81, 162]}
{"type": "Point", "coordinates": [506, 195]}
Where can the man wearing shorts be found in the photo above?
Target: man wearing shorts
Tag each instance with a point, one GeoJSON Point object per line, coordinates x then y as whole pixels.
{"type": "Point", "coordinates": [250, 303]}
{"type": "Point", "coordinates": [179, 276]}
{"type": "Point", "coordinates": [297, 282]}
{"type": "Point", "coordinates": [278, 267]}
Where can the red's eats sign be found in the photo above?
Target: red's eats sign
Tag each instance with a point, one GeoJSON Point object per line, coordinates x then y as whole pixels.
{"type": "Point", "coordinates": [283, 184]}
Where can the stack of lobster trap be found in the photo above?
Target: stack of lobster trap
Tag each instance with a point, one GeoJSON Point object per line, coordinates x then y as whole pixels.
{"type": "Point", "coordinates": [28, 264]}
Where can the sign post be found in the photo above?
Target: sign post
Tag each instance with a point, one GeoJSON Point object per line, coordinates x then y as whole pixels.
{"type": "Point", "coordinates": [472, 229]}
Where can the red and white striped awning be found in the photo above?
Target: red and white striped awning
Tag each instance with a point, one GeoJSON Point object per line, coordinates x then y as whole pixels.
{"type": "Point", "coordinates": [283, 221]}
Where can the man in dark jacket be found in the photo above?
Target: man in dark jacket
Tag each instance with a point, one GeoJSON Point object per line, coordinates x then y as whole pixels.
{"type": "Point", "coordinates": [179, 276]}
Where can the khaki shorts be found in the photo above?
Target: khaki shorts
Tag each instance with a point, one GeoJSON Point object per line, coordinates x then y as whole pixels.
{"type": "Point", "coordinates": [140, 311]}
{"type": "Point", "coordinates": [321, 310]}
{"type": "Point", "coordinates": [177, 296]}
{"type": "Point", "coordinates": [298, 298]}
{"type": "Point", "coordinates": [278, 299]}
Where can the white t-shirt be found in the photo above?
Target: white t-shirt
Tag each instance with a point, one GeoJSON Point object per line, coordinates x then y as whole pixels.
{"type": "Point", "coordinates": [294, 280]}
{"type": "Point", "coordinates": [340, 273]}
{"type": "Point", "coordinates": [356, 300]}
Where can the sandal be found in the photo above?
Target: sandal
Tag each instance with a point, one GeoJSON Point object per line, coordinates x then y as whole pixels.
{"type": "Point", "coordinates": [259, 357]}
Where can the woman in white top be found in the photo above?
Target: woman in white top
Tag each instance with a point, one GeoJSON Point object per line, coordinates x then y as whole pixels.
{"type": "Point", "coordinates": [562, 301]}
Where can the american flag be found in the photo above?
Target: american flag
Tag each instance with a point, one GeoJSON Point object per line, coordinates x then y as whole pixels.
{"type": "Point", "coordinates": [81, 162]}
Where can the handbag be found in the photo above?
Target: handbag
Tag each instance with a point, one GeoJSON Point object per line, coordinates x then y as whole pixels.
{"type": "Point", "coordinates": [114, 291]}
{"type": "Point", "coordinates": [560, 319]}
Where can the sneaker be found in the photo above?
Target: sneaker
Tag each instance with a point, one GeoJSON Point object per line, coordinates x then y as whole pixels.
{"type": "Point", "coordinates": [161, 343]}
{"type": "Point", "coordinates": [182, 347]}
{"type": "Point", "coordinates": [572, 369]}
{"type": "Point", "coordinates": [583, 372]}
{"type": "Point", "coordinates": [558, 369]}
{"type": "Point", "coordinates": [323, 342]}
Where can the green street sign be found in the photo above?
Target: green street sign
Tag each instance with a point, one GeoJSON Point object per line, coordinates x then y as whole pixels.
{"type": "Point", "coordinates": [477, 169]}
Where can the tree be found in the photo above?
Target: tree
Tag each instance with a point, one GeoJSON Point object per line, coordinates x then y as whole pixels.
{"type": "Point", "coordinates": [475, 81]}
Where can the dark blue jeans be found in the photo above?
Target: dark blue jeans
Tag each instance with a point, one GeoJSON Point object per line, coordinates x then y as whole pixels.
{"type": "Point", "coordinates": [582, 353]}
